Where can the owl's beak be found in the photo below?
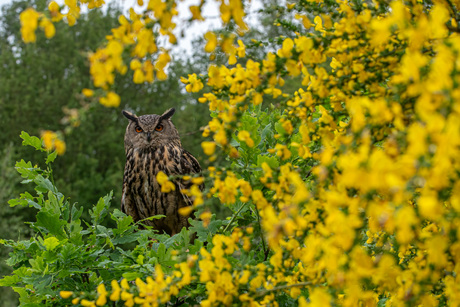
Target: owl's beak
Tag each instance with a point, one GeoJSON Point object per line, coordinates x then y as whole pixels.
{"type": "Point", "coordinates": [149, 136]}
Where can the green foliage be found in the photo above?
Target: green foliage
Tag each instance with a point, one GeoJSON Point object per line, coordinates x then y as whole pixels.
{"type": "Point", "coordinates": [67, 252]}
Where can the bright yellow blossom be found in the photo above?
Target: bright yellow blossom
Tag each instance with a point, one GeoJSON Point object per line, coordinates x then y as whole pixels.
{"type": "Point", "coordinates": [65, 294]}
{"type": "Point", "coordinates": [111, 100]}
{"type": "Point", "coordinates": [193, 83]}
{"type": "Point", "coordinates": [29, 23]}
{"type": "Point", "coordinates": [166, 185]}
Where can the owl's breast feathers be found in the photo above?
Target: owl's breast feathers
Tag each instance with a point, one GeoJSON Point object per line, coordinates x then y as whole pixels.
{"type": "Point", "coordinates": [142, 196]}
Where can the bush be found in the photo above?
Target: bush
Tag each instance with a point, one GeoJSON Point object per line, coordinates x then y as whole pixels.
{"type": "Point", "coordinates": [343, 190]}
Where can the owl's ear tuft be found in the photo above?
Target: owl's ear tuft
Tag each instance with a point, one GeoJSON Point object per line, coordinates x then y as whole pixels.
{"type": "Point", "coordinates": [168, 113]}
{"type": "Point", "coordinates": [130, 116]}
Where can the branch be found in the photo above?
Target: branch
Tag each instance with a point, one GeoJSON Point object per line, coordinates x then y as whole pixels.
{"type": "Point", "coordinates": [234, 216]}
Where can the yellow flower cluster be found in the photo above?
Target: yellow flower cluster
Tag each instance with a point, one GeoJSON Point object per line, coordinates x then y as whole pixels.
{"type": "Point", "coordinates": [166, 185]}
{"type": "Point", "coordinates": [152, 292]}
{"type": "Point", "coordinates": [51, 141]}
{"type": "Point", "coordinates": [390, 166]}
{"type": "Point", "coordinates": [136, 35]}
{"type": "Point", "coordinates": [227, 46]}
{"type": "Point", "coordinates": [193, 83]}
{"type": "Point", "coordinates": [30, 21]}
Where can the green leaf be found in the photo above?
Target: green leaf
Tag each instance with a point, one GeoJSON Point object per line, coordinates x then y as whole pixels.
{"type": "Point", "coordinates": [75, 231]}
{"type": "Point", "coordinates": [100, 210]}
{"type": "Point", "coordinates": [26, 169]}
{"type": "Point", "coordinates": [76, 213]}
{"type": "Point", "coordinates": [44, 185]}
{"type": "Point", "coordinates": [203, 232]}
{"type": "Point", "coordinates": [123, 221]}
{"type": "Point", "coordinates": [279, 128]}
{"type": "Point", "coordinates": [52, 204]}
{"type": "Point", "coordinates": [37, 264]}
{"type": "Point", "coordinates": [271, 161]}
{"type": "Point", "coordinates": [161, 249]}
{"type": "Point", "coordinates": [51, 223]}
{"type": "Point", "coordinates": [9, 281]}
{"type": "Point", "coordinates": [32, 141]}
{"type": "Point", "coordinates": [132, 237]}
{"type": "Point", "coordinates": [132, 275]}
{"type": "Point", "coordinates": [267, 133]}
{"type": "Point", "coordinates": [51, 157]}
{"type": "Point", "coordinates": [51, 243]}
{"type": "Point", "coordinates": [17, 202]}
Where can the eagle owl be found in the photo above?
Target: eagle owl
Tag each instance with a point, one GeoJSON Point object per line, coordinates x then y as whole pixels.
{"type": "Point", "coordinates": [152, 144]}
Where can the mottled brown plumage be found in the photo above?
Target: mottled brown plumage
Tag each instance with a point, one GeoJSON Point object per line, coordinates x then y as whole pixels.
{"type": "Point", "coordinates": [152, 144]}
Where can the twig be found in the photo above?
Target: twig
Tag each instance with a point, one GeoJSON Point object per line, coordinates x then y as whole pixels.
{"type": "Point", "coordinates": [193, 132]}
{"type": "Point", "coordinates": [234, 216]}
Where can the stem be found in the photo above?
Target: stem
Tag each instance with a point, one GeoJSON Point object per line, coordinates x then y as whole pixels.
{"type": "Point", "coordinates": [300, 284]}
{"type": "Point", "coordinates": [234, 216]}
{"type": "Point", "coordinates": [51, 177]}
{"type": "Point", "coordinates": [261, 235]}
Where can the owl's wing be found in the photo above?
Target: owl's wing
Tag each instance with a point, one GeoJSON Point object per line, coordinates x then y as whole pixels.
{"type": "Point", "coordinates": [189, 165]}
{"type": "Point", "coordinates": [127, 204]}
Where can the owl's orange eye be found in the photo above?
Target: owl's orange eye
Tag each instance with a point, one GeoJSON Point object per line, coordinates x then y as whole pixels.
{"type": "Point", "coordinates": [138, 129]}
{"type": "Point", "coordinates": [159, 127]}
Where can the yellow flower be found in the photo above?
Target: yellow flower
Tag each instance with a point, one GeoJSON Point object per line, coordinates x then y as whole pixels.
{"type": "Point", "coordinates": [128, 298]}
{"type": "Point", "coordinates": [102, 298]}
{"type": "Point", "coordinates": [196, 12]}
{"type": "Point", "coordinates": [186, 211]}
{"type": "Point", "coordinates": [138, 77]}
{"type": "Point", "coordinates": [287, 126]}
{"type": "Point", "coordinates": [211, 39]}
{"type": "Point", "coordinates": [55, 13]}
{"type": "Point", "coordinates": [60, 146]}
{"type": "Point", "coordinates": [286, 49]}
{"type": "Point", "coordinates": [166, 185]}
{"type": "Point", "coordinates": [48, 138]}
{"type": "Point", "coordinates": [245, 136]}
{"type": "Point", "coordinates": [87, 92]}
{"type": "Point", "coordinates": [29, 23]}
{"type": "Point", "coordinates": [51, 141]}
{"type": "Point", "coordinates": [193, 83]}
{"type": "Point", "coordinates": [116, 290]}
{"type": "Point", "coordinates": [206, 218]}
{"type": "Point", "coordinates": [124, 284]}
{"type": "Point", "coordinates": [135, 64]}
{"type": "Point", "coordinates": [65, 294]}
{"type": "Point", "coordinates": [257, 99]}
{"type": "Point", "coordinates": [319, 23]}
{"type": "Point", "coordinates": [111, 100]}
{"type": "Point", "coordinates": [241, 50]}
{"type": "Point", "coordinates": [48, 26]}
{"type": "Point", "coordinates": [87, 303]}
{"type": "Point", "coordinates": [208, 147]}
{"type": "Point", "coordinates": [163, 60]}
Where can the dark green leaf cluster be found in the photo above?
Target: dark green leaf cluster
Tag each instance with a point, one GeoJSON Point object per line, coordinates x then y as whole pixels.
{"type": "Point", "coordinates": [67, 252]}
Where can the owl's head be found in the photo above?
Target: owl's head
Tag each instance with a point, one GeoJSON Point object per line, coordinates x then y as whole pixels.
{"type": "Point", "coordinates": [150, 131]}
